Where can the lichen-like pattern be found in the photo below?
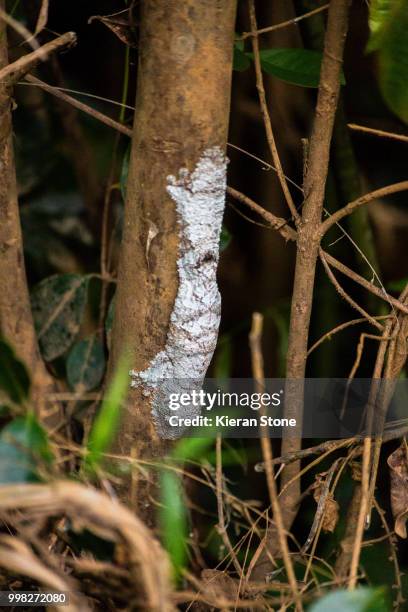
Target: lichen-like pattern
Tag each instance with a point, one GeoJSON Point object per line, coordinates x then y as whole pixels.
{"type": "Point", "coordinates": [182, 364]}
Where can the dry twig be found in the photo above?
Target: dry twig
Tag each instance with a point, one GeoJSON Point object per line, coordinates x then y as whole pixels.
{"type": "Point", "coordinates": [258, 374]}
{"type": "Point", "coordinates": [265, 113]}
{"type": "Point", "coordinates": [16, 70]}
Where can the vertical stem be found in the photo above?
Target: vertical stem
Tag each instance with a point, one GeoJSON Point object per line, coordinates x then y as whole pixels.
{"type": "Point", "coordinates": [308, 241]}
{"type": "Point", "coordinates": [255, 342]}
{"type": "Point", "coordinates": [16, 322]}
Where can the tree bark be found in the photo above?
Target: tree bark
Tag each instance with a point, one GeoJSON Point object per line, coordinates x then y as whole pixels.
{"type": "Point", "coordinates": [181, 122]}
{"type": "Point", "coordinates": [16, 322]}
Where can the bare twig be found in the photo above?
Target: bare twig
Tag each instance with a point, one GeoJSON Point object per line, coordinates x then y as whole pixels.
{"type": "Point", "coordinates": [221, 528]}
{"type": "Point", "coordinates": [346, 296]}
{"type": "Point", "coordinates": [365, 283]}
{"type": "Point", "coordinates": [321, 506]}
{"type": "Point", "coordinates": [391, 539]}
{"type": "Point", "coordinates": [255, 339]}
{"type": "Point", "coordinates": [341, 327]}
{"type": "Point", "coordinates": [13, 72]}
{"type": "Point", "coordinates": [308, 240]}
{"type": "Point", "coordinates": [284, 24]}
{"type": "Point", "coordinates": [18, 27]}
{"type": "Point", "coordinates": [42, 17]}
{"type": "Point", "coordinates": [288, 233]}
{"type": "Point", "coordinates": [375, 132]}
{"type": "Point", "coordinates": [328, 446]}
{"type": "Point", "coordinates": [79, 105]}
{"type": "Point", "coordinates": [276, 223]}
{"type": "Point", "coordinates": [365, 199]}
{"type": "Point", "coordinates": [358, 538]}
{"type": "Point", "coordinates": [265, 113]}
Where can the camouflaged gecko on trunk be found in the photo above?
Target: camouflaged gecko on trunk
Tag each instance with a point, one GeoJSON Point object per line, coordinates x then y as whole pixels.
{"type": "Point", "coordinates": [199, 197]}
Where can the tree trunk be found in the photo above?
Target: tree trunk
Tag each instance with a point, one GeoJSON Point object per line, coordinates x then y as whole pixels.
{"type": "Point", "coordinates": [167, 302]}
{"type": "Point", "coordinates": [16, 322]}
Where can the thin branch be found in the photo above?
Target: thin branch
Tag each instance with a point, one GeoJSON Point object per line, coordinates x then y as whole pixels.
{"type": "Point", "coordinates": [364, 282]}
{"type": "Point", "coordinates": [330, 446]}
{"type": "Point", "coordinates": [221, 527]}
{"type": "Point", "coordinates": [288, 233]}
{"type": "Point", "coordinates": [79, 105]}
{"type": "Point", "coordinates": [391, 538]}
{"type": "Point", "coordinates": [255, 339]}
{"type": "Point", "coordinates": [321, 506]}
{"type": "Point", "coordinates": [341, 327]}
{"type": "Point", "coordinates": [308, 242]}
{"type": "Point", "coordinates": [265, 113]}
{"type": "Point", "coordinates": [358, 539]}
{"type": "Point", "coordinates": [18, 27]}
{"type": "Point", "coordinates": [365, 199]}
{"type": "Point", "coordinates": [284, 24]}
{"type": "Point", "coordinates": [42, 17]}
{"type": "Point", "coordinates": [277, 223]}
{"type": "Point", "coordinates": [13, 72]}
{"type": "Point", "coordinates": [380, 133]}
{"type": "Point", "coordinates": [345, 295]}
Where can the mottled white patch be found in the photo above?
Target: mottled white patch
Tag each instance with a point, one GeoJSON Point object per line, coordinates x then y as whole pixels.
{"type": "Point", "coordinates": [200, 199]}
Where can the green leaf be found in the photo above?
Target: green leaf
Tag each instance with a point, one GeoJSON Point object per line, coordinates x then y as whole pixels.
{"type": "Point", "coordinates": [296, 66]}
{"type": "Point", "coordinates": [58, 304]}
{"type": "Point", "coordinates": [173, 520]}
{"type": "Point", "coordinates": [23, 447]}
{"type": "Point", "coordinates": [393, 60]}
{"type": "Point", "coordinates": [86, 364]}
{"type": "Point", "coordinates": [361, 600]}
{"type": "Point", "coordinates": [107, 421]}
{"type": "Point", "coordinates": [378, 16]}
{"type": "Point", "coordinates": [225, 239]}
{"type": "Point", "coordinates": [241, 60]}
{"type": "Point", "coordinates": [14, 378]}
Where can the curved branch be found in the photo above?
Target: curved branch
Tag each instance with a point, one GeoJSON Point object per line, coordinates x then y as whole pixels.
{"type": "Point", "coordinates": [16, 70]}
{"type": "Point", "coordinates": [365, 199]}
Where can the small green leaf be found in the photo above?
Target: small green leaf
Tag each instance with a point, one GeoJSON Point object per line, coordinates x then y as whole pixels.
{"type": "Point", "coordinates": [23, 447]}
{"type": "Point", "coordinates": [360, 600]}
{"type": "Point", "coordinates": [106, 423]}
{"type": "Point", "coordinates": [241, 60]}
{"type": "Point", "coordinates": [14, 378]}
{"type": "Point", "coordinates": [58, 304]}
{"type": "Point", "coordinates": [225, 239]}
{"type": "Point", "coordinates": [296, 66]}
{"type": "Point", "coordinates": [86, 364]}
{"type": "Point", "coordinates": [173, 520]}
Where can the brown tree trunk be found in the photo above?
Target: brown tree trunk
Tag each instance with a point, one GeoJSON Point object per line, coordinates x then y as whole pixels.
{"type": "Point", "coordinates": [16, 323]}
{"type": "Point", "coordinates": [181, 122]}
